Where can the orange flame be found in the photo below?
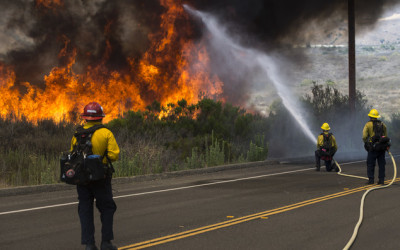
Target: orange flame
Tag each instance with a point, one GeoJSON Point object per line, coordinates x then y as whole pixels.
{"type": "Point", "coordinates": [171, 69]}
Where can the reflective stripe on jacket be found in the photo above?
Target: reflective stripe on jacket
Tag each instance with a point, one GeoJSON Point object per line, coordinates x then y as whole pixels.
{"type": "Point", "coordinates": [368, 131]}
{"type": "Point", "coordinates": [102, 140]}
{"type": "Point", "coordinates": [320, 141]}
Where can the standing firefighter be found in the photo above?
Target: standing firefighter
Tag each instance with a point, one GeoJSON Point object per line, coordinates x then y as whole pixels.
{"type": "Point", "coordinates": [376, 143]}
{"type": "Point", "coordinates": [326, 148]}
{"type": "Point", "coordinates": [104, 145]}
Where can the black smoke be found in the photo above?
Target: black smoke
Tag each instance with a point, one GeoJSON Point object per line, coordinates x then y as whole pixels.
{"type": "Point", "coordinates": [33, 35]}
{"type": "Point", "coordinates": [271, 21]}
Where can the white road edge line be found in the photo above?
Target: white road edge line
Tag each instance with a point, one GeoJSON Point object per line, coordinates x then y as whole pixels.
{"type": "Point", "coordinates": [156, 191]}
{"type": "Point", "coordinates": [171, 189]}
{"type": "Point", "coordinates": [213, 183]}
{"type": "Point", "coordinates": [38, 208]}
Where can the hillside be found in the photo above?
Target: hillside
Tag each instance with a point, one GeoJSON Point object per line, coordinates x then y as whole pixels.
{"type": "Point", "coordinates": [377, 68]}
{"type": "Point", "coordinates": [377, 73]}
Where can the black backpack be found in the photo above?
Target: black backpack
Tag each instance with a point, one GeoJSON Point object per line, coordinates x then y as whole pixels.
{"type": "Point", "coordinates": [326, 149]}
{"type": "Point", "coordinates": [81, 166]}
{"type": "Point", "coordinates": [379, 142]}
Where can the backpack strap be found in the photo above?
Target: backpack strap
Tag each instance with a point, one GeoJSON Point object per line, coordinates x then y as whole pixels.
{"type": "Point", "coordinates": [377, 127]}
{"type": "Point", "coordinates": [80, 130]}
{"type": "Point", "coordinates": [110, 165]}
{"type": "Point", "coordinates": [326, 136]}
{"type": "Point", "coordinates": [326, 142]}
{"type": "Point", "coordinates": [84, 138]}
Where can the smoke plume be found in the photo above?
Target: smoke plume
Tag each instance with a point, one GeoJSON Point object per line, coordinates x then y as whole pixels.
{"type": "Point", "coordinates": [272, 22]}
{"type": "Point", "coordinates": [40, 35]}
{"type": "Point", "coordinates": [32, 31]}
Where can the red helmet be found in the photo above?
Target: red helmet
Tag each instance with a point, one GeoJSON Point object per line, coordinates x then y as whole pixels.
{"type": "Point", "coordinates": [93, 111]}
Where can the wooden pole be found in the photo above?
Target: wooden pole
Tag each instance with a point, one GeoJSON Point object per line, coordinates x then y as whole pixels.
{"type": "Point", "coordinates": [352, 56]}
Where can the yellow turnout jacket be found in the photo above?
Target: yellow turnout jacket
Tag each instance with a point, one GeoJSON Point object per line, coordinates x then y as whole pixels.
{"type": "Point", "coordinates": [102, 140]}
{"type": "Point", "coordinates": [320, 141]}
{"type": "Point", "coordinates": [368, 131]}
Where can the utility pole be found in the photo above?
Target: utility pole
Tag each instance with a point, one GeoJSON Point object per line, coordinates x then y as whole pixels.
{"type": "Point", "coordinates": [352, 56]}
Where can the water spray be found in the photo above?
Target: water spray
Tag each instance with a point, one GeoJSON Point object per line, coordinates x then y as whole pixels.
{"type": "Point", "coordinates": [254, 59]}
{"type": "Point", "coordinates": [259, 60]}
{"type": "Point", "coordinates": [288, 99]}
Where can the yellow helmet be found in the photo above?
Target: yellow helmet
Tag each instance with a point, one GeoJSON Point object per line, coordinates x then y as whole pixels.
{"type": "Point", "coordinates": [374, 113]}
{"type": "Point", "coordinates": [325, 126]}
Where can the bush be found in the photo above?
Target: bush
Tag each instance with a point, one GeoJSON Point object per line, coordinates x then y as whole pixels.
{"type": "Point", "coordinates": [258, 151]}
{"type": "Point", "coordinates": [215, 152]}
{"type": "Point", "coordinates": [394, 131]}
{"type": "Point", "coordinates": [329, 105]}
{"type": "Point", "coordinates": [196, 160]}
{"type": "Point", "coordinates": [153, 140]}
{"type": "Point", "coordinates": [30, 152]}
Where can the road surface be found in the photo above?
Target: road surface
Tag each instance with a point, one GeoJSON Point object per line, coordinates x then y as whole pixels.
{"type": "Point", "coordinates": [276, 206]}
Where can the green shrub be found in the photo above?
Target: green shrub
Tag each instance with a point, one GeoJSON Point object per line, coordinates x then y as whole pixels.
{"type": "Point", "coordinates": [394, 131]}
{"type": "Point", "coordinates": [329, 105]}
{"type": "Point", "coordinates": [306, 82]}
{"type": "Point", "coordinates": [19, 168]}
{"type": "Point", "coordinates": [154, 140]}
{"type": "Point", "coordinates": [258, 151]}
{"type": "Point", "coordinates": [368, 48]}
{"type": "Point", "coordinates": [215, 152]}
{"type": "Point", "coordinates": [196, 160]}
{"type": "Point", "coordinates": [382, 59]}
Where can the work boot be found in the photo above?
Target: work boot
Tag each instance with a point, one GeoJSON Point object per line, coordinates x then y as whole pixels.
{"type": "Point", "coordinates": [91, 247]}
{"type": "Point", "coordinates": [318, 168]}
{"type": "Point", "coordinates": [370, 182]}
{"type": "Point", "coordinates": [334, 166]}
{"type": "Point", "coordinates": [381, 182]}
{"type": "Point", "coordinates": [106, 245]}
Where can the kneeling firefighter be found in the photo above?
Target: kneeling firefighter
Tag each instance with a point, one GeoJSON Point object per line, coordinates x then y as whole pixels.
{"type": "Point", "coordinates": [103, 145]}
{"type": "Point", "coordinates": [326, 149]}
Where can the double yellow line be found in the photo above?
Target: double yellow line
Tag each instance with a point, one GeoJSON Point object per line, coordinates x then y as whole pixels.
{"type": "Point", "coordinates": [232, 222]}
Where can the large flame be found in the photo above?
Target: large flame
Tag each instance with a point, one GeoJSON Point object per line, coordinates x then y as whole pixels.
{"type": "Point", "coordinates": [171, 69]}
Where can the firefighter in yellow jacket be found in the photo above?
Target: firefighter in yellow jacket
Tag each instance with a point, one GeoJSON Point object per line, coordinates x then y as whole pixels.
{"type": "Point", "coordinates": [376, 143]}
{"type": "Point", "coordinates": [105, 145]}
{"type": "Point", "coordinates": [326, 149]}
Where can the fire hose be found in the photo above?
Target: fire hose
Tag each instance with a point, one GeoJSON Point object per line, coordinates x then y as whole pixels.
{"type": "Point", "coordinates": [355, 232]}
{"type": "Point", "coordinates": [348, 175]}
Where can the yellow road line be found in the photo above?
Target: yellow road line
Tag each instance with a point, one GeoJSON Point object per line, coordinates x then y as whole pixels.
{"type": "Point", "coordinates": [210, 226]}
{"type": "Point", "coordinates": [232, 222]}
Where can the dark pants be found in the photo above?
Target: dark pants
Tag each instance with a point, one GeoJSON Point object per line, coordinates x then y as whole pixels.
{"type": "Point", "coordinates": [328, 163]}
{"type": "Point", "coordinates": [374, 156]}
{"type": "Point", "coordinates": [101, 190]}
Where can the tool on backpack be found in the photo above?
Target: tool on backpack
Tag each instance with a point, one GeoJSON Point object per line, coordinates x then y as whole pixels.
{"type": "Point", "coordinates": [81, 166]}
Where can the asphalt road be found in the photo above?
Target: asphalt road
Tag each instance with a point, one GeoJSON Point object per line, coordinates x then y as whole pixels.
{"type": "Point", "coordinates": [278, 206]}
